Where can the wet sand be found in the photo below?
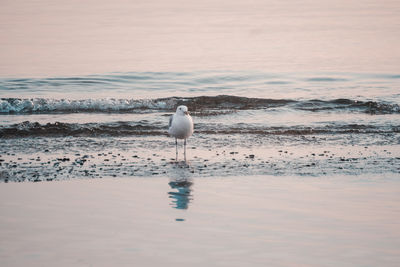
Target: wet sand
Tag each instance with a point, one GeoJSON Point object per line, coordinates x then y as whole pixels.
{"type": "Point", "coordinates": [219, 221]}
{"type": "Point", "coordinates": [46, 159]}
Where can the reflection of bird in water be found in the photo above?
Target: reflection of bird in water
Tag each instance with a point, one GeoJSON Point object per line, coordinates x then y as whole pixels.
{"type": "Point", "coordinates": [182, 198]}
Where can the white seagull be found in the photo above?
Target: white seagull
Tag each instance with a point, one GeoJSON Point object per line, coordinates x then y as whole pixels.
{"type": "Point", "coordinates": [181, 127]}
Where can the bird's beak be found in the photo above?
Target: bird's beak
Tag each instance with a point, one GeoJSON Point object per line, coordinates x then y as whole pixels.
{"type": "Point", "coordinates": [186, 112]}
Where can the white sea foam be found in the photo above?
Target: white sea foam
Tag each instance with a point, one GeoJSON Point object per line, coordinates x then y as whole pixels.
{"type": "Point", "coordinates": [37, 105]}
{"type": "Point", "coordinates": [221, 102]}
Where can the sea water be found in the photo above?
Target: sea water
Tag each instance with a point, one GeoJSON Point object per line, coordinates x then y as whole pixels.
{"type": "Point", "coordinates": [295, 156]}
{"type": "Point", "coordinates": [262, 123]}
{"type": "Point", "coordinates": [274, 87]}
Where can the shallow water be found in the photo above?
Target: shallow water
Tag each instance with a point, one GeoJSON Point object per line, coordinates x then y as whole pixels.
{"type": "Point", "coordinates": [218, 221]}
{"type": "Point", "coordinates": [314, 124]}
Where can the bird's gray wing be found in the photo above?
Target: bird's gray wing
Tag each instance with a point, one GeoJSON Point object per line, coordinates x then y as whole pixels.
{"type": "Point", "coordinates": [170, 120]}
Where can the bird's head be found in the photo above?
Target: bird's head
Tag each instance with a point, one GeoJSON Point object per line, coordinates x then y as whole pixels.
{"type": "Point", "coordinates": [182, 110]}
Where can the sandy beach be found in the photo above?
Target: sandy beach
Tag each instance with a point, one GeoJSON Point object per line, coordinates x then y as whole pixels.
{"type": "Point", "coordinates": [229, 221]}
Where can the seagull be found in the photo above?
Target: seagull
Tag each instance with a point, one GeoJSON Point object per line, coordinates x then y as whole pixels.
{"type": "Point", "coordinates": [181, 127]}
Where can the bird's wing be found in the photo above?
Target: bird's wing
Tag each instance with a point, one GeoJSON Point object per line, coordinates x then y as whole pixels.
{"type": "Point", "coordinates": [170, 120]}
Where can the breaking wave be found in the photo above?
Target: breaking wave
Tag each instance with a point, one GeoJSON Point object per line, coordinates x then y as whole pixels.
{"type": "Point", "coordinates": [221, 102]}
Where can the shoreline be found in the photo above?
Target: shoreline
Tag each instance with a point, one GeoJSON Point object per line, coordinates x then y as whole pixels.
{"type": "Point", "coordinates": [41, 159]}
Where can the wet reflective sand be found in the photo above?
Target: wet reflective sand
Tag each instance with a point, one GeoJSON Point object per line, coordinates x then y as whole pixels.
{"type": "Point", "coordinates": [176, 221]}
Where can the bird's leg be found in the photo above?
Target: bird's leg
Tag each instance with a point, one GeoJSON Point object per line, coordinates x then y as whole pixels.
{"type": "Point", "coordinates": [176, 146]}
{"type": "Point", "coordinates": [184, 149]}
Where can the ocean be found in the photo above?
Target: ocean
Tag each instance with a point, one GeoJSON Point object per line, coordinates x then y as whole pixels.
{"type": "Point", "coordinates": [278, 88]}
{"type": "Point", "coordinates": [295, 155]}
{"type": "Point", "coordinates": [245, 122]}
